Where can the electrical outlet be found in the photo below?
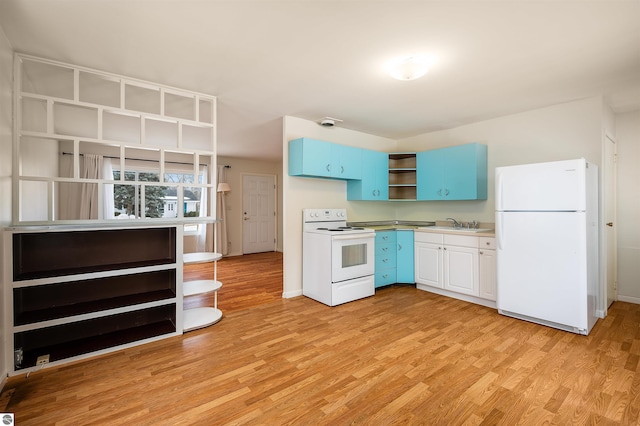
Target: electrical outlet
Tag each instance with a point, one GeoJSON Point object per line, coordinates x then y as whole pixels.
{"type": "Point", "coordinates": [42, 359]}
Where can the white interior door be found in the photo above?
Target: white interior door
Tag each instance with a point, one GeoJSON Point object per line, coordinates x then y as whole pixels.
{"type": "Point", "coordinates": [609, 202]}
{"type": "Point", "coordinates": [258, 213]}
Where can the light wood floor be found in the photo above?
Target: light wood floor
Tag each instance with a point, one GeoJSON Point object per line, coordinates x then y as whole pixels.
{"type": "Point", "coordinates": [403, 356]}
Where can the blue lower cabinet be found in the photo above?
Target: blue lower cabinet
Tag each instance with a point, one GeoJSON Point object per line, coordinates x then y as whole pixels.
{"type": "Point", "coordinates": [404, 256]}
{"type": "Point", "coordinates": [385, 277]}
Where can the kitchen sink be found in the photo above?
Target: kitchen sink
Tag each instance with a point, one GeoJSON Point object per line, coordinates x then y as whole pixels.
{"type": "Point", "coordinates": [449, 228]}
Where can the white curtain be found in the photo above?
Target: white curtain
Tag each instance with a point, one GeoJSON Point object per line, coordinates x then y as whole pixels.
{"type": "Point", "coordinates": [68, 193]}
{"type": "Point", "coordinates": [201, 238]}
{"type": "Point", "coordinates": [107, 174]}
{"type": "Point", "coordinates": [222, 239]}
{"type": "Point", "coordinates": [91, 169]}
{"type": "Point", "coordinates": [80, 200]}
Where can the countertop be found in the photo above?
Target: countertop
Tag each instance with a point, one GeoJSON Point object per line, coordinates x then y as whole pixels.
{"type": "Point", "coordinates": [485, 229]}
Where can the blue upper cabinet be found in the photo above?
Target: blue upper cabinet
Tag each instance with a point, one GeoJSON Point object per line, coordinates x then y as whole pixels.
{"type": "Point", "coordinates": [453, 173]}
{"type": "Point", "coordinates": [315, 158]}
{"type": "Point", "coordinates": [374, 184]}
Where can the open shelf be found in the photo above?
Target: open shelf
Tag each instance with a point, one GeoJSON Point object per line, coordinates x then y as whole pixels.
{"type": "Point", "coordinates": [203, 316]}
{"type": "Point", "coordinates": [200, 317]}
{"type": "Point", "coordinates": [46, 302]}
{"type": "Point", "coordinates": [402, 176]}
{"type": "Point", "coordinates": [39, 255]}
{"type": "Point", "coordinates": [82, 337]}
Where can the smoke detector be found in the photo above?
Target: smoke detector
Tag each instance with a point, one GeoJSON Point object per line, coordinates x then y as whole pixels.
{"type": "Point", "coordinates": [329, 121]}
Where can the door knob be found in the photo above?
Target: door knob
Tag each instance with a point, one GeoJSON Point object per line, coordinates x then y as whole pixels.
{"type": "Point", "coordinates": [610, 224]}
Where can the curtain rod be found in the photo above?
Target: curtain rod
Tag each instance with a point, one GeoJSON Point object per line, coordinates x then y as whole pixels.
{"type": "Point", "coordinates": [141, 159]}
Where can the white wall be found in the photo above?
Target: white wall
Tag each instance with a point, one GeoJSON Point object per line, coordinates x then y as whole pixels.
{"type": "Point", "coordinates": [300, 192]}
{"type": "Point", "coordinates": [628, 208]}
{"type": "Point", "coordinates": [6, 148]}
{"type": "Point", "coordinates": [559, 132]}
{"type": "Point", "coordinates": [239, 168]}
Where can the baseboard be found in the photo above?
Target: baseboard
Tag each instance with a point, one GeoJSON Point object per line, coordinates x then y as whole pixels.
{"type": "Point", "coordinates": [290, 294]}
{"type": "Point", "coordinates": [629, 299]}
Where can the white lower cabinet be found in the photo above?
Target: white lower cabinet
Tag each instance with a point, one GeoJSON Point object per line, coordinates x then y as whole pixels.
{"type": "Point", "coordinates": [461, 269]}
{"type": "Point", "coordinates": [453, 264]}
{"type": "Point", "coordinates": [487, 267]}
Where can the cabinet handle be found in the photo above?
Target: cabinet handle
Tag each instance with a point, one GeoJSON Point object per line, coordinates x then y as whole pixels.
{"type": "Point", "coordinates": [385, 248]}
{"type": "Point", "coordinates": [444, 248]}
{"type": "Point", "coordinates": [378, 192]}
{"type": "Point", "coordinates": [446, 192]}
{"type": "Point", "coordinates": [373, 193]}
{"type": "Point", "coordinates": [385, 260]}
{"type": "Point", "coordinates": [440, 192]}
{"type": "Point", "coordinates": [439, 248]}
{"type": "Point", "coordinates": [399, 247]}
{"type": "Point", "coordinates": [481, 252]}
{"type": "Point", "coordinates": [385, 276]}
{"type": "Point", "coordinates": [328, 167]}
{"type": "Point", "coordinates": [341, 169]}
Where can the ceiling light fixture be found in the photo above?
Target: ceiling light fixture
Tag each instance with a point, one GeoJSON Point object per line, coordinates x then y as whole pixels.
{"type": "Point", "coordinates": [329, 121]}
{"type": "Point", "coordinates": [409, 68]}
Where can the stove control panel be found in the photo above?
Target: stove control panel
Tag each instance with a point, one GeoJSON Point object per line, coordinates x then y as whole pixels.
{"type": "Point", "coordinates": [324, 215]}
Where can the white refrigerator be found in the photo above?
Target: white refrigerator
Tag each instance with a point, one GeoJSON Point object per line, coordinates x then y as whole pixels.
{"type": "Point", "coordinates": [547, 243]}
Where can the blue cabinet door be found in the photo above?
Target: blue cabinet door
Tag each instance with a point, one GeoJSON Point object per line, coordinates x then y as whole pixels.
{"type": "Point", "coordinates": [374, 184]}
{"type": "Point", "coordinates": [453, 173]}
{"type": "Point", "coordinates": [404, 256]}
{"type": "Point", "coordinates": [315, 158]}
{"type": "Point", "coordinates": [309, 157]}
{"type": "Point", "coordinates": [465, 174]}
{"type": "Point", "coordinates": [346, 162]}
{"type": "Point", "coordinates": [430, 175]}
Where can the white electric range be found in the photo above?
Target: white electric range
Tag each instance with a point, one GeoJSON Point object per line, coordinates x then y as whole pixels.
{"type": "Point", "coordinates": [337, 260]}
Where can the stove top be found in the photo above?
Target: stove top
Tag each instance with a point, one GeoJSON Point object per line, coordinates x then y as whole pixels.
{"type": "Point", "coordinates": [341, 229]}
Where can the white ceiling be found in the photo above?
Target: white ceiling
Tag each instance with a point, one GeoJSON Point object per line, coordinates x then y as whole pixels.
{"type": "Point", "coordinates": [311, 59]}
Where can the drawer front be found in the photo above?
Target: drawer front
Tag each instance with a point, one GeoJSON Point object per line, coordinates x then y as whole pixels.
{"type": "Point", "coordinates": [386, 261]}
{"type": "Point", "coordinates": [385, 277]}
{"type": "Point", "coordinates": [487, 243]}
{"type": "Point", "coordinates": [460, 240]}
{"type": "Point", "coordinates": [385, 249]}
{"type": "Point", "coordinates": [427, 237]}
{"type": "Point", "coordinates": [385, 237]}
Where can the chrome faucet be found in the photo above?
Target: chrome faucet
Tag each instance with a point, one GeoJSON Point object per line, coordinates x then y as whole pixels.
{"type": "Point", "coordinates": [455, 222]}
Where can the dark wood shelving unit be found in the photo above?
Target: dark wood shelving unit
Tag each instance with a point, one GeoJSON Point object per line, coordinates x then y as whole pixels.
{"type": "Point", "coordinates": [78, 291]}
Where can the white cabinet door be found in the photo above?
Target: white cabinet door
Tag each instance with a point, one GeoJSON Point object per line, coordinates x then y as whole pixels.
{"type": "Point", "coordinates": [487, 267]}
{"type": "Point", "coordinates": [461, 269]}
{"type": "Point", "coordinates": [428, 264]}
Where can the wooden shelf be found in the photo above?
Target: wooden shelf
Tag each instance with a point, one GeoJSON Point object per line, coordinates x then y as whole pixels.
{"type": "Point", "coordinates": [402, 176]}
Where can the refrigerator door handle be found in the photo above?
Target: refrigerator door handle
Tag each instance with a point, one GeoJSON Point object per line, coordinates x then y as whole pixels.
{"type": "Point", "coordinates": [498, 190]}
{"type": "Point", "coordinates": [499, 225]}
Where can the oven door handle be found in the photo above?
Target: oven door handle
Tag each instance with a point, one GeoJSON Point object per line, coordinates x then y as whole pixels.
{"type": "Point", "coordinates": [353, 236]}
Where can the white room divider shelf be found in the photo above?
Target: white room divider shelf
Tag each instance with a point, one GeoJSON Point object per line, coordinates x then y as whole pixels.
{"type": "Point", "coordinates": [203, 316]}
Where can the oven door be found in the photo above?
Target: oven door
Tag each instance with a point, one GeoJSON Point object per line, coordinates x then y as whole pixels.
{"type": "Point", "coordinates": [352, 256]}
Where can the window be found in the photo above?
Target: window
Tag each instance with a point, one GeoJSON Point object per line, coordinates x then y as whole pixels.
{"type": "Point", "coordinates": [160, 200]}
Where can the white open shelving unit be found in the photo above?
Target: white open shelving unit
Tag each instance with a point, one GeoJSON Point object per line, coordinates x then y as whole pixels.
{"type": "Point", "coordinates": [63, 114]}
{"type": "Point", "coordinates": [203, 316]}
